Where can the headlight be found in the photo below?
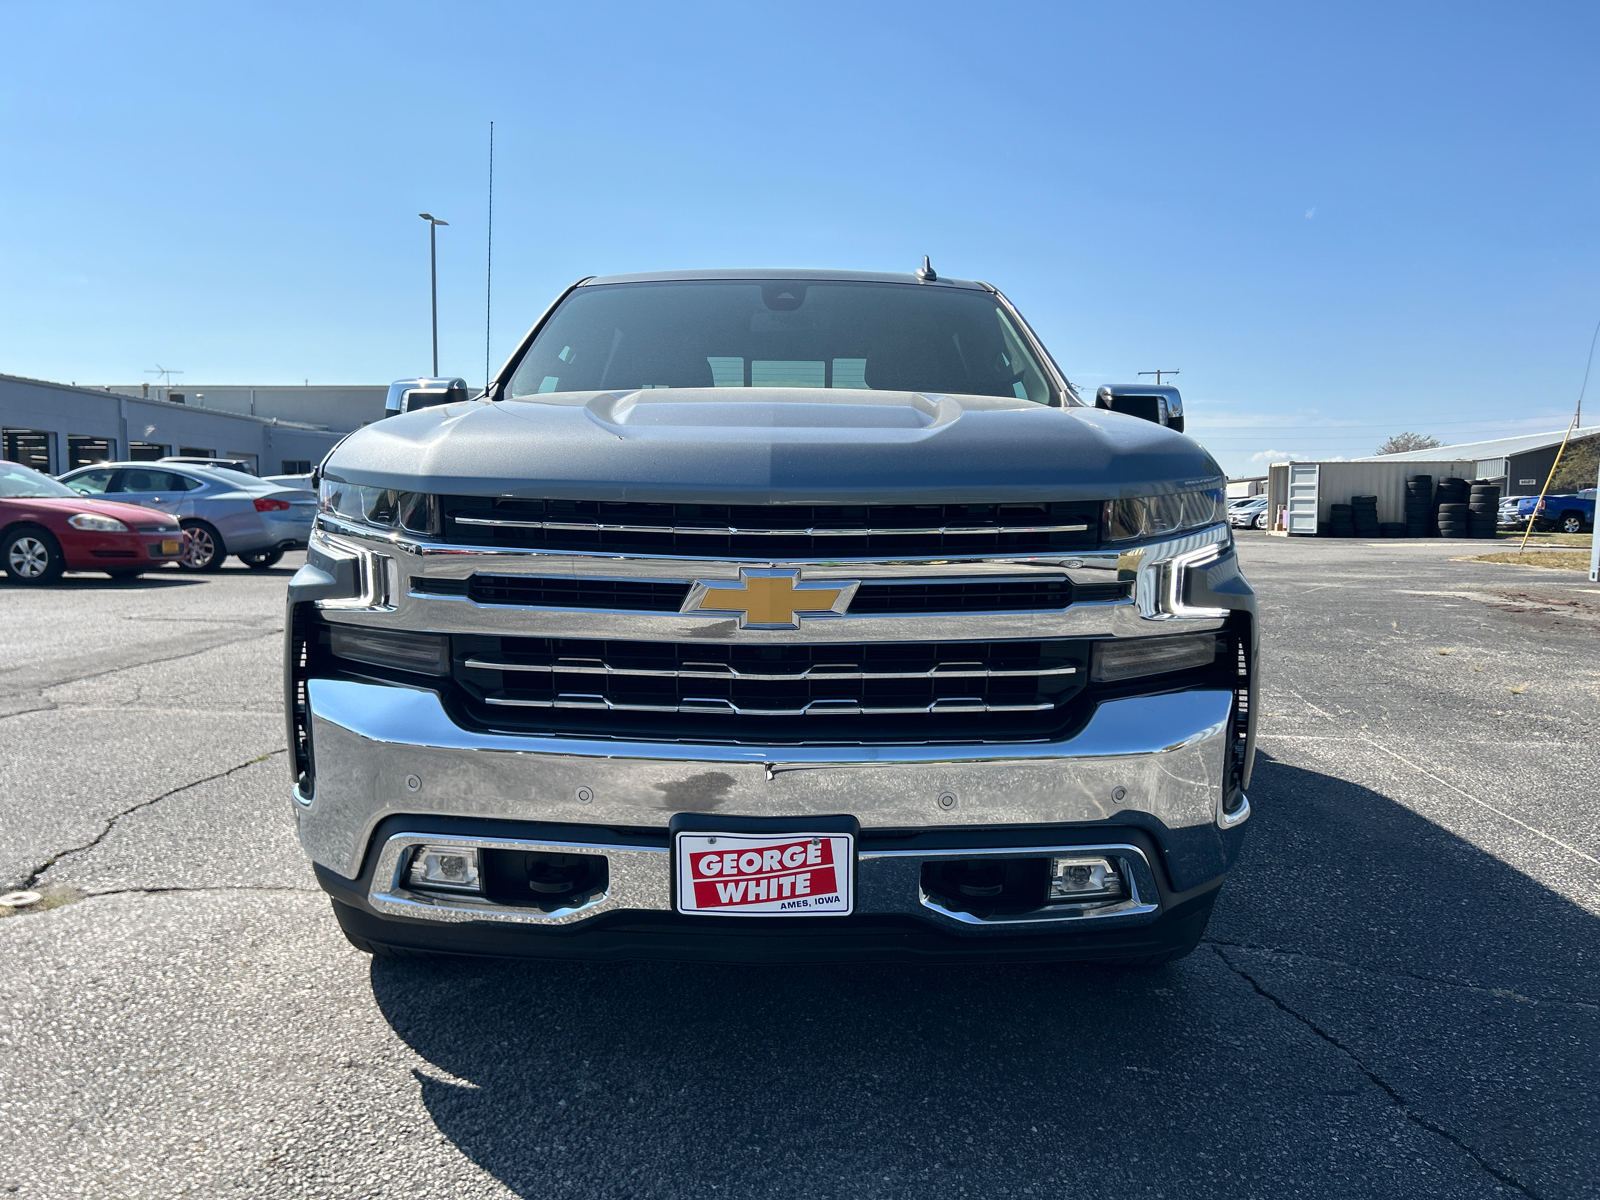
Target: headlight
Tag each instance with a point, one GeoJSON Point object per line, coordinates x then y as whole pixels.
{"type": "Point", "coordinates": [1159, 516]}
{"type": "Point", "coordinates": [386, 508]}
{"type": "Point", "coordinates": [95, 523]}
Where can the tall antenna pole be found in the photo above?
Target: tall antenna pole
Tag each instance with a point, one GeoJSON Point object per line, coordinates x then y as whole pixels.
{"type": "Point", "coordinates": [433, 280]}
{"type": "Point", "coordinates": [488, 286]}
{"type": "Point", "coordinates": [433, 287]}
{"type": "Point", "coordinates": [1577, 420]}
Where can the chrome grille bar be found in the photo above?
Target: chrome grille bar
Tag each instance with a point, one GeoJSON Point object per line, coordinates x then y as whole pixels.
{"type": "Point", "coordinates": [817, 708]}
{"type": "Point", "coordinates": [729, 672]}
{"type": "Point", "coordinates": [734, 531]}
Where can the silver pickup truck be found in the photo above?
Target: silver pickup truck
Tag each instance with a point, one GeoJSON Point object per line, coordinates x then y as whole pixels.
{"type": "Point", "coordinates": [774, 616]}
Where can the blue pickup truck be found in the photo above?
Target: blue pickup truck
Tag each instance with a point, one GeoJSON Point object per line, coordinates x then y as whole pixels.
{"type": "Point", "coordinates": [1569, 514]}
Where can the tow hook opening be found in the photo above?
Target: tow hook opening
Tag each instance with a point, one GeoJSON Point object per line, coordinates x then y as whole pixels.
{"type": "Point", "coordinates": [544, 879]}
{"type": "Point", "coordinates": [988, 886]}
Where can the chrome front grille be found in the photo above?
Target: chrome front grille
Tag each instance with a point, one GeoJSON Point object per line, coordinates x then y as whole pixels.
{"type": "Point", "coordinates": [693, 691]}
{"type": "Point", "coordinates": [773, 531]}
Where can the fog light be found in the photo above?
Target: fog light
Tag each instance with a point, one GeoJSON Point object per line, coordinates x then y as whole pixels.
{"type": "Point", "coordinates": [1085, 879]}
{"type": "Point", "coordinates": [453, 868]}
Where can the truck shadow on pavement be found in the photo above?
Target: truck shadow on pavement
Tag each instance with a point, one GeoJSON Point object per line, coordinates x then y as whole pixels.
{"type": "Point", "coordinates": [1381, 1009]}
{"type": "Point", "coordinates": [92, 582]}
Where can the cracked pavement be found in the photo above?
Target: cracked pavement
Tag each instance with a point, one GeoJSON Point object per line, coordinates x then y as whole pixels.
{"type": "Point", "coordinates": [1397, 997]}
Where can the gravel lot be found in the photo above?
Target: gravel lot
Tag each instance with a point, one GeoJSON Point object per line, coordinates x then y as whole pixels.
{"type": "Point", "coordinates": [1398, 996]}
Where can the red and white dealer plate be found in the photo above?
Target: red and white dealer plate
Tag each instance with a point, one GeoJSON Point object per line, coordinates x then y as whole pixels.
{"type": "Point", "coordinates": [782, 875]}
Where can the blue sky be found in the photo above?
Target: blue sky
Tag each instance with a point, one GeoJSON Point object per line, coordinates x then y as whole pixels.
{"type": "Point", "coordinates": [1339, 221]}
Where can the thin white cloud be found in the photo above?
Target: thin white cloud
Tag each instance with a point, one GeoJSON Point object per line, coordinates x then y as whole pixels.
{"type": "Point", "coordinates": [1310, 212]}
{"type": "Point", "coordinates": [1278, 456]}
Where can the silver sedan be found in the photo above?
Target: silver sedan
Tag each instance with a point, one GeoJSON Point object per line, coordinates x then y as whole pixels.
{"type": "Point", "coordinates": [224, 512]}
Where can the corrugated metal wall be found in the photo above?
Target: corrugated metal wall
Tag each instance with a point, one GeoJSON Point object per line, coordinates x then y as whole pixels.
{"type": "Point", "coordinates": [1338, 481]}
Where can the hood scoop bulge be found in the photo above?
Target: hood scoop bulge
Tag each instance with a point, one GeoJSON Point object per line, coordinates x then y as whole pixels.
{"type": "Point", "coordinates": [769, 409]}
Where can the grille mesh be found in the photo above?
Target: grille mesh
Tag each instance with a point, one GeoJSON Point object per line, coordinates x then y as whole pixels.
{"type": "Point", "coordinates": [917, 691]}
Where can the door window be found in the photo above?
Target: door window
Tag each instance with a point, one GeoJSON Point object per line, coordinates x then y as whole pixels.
{"type": "Point", "coordinates": [91, 483]}
{"type": "Point", "coordinates": [150, 480]}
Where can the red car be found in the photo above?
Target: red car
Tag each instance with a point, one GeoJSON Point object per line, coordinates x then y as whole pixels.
{"type": "Point", "coordinates": [47, 528]}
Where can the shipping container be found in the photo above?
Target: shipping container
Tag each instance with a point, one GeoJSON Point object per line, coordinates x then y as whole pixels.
{"type": "Point", "coordinates": [1300, 494]}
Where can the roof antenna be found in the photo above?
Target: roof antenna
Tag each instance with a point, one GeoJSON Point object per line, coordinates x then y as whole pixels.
{"type": "Point", "coordinates": [926, 273]}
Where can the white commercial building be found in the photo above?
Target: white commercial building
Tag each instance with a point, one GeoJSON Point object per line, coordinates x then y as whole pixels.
{"type": "Point", "coordinates": [54, 427]}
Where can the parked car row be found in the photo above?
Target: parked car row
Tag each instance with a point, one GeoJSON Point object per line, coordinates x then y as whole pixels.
{"type": "Point", "coordinates": [1571, 513]}
{"type": "Point", "coordinates": [131, 517]}
{"type": "Point", "coordinates": [1249, 513]}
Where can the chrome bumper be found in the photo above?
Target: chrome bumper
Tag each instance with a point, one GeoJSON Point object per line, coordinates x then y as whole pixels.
{"type": "Point", "coordinates": [639, 879]}
{"type": "Point", "coordinates": [1152, 762]}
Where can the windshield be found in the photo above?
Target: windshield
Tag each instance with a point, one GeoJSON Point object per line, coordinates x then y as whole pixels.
{"type": "Point", "coordinates": [781, 333]}
{"type": "Point", "coordinates": [18, 481]}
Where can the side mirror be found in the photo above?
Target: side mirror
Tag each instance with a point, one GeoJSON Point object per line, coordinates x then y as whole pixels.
{"type": "Point", "coordinates": [409, 395]}
{"type": "Point", "coordinates": [1163, 405]}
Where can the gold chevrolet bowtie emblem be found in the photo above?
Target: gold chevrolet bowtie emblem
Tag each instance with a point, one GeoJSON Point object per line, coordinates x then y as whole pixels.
{"type": "Point", "coordinates": [770, 599]}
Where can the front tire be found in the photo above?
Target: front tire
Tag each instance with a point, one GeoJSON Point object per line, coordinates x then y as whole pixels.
{"type": "Point", "coordinates": [31, 557]}
{"type": "Point", "coordinates": [261, 560]}
{"type": "Point", "coordinates": [204, 550]}
{"type": "Point", "coordinates": [1261, 520]}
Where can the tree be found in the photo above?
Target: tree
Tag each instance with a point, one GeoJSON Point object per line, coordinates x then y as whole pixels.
{"type": "Point", "coordinates": [1402, 442]}
{"type": "Point", "coordinates": [1578, 466]}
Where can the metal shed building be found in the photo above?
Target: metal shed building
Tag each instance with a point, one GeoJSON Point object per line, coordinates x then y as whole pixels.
{"type": "Point", "coordinates": [1520, 464]}
{"type": "Point", "coordinates": [1305, 491]}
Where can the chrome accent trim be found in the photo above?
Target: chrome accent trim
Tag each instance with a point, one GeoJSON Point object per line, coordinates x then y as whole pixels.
{"type": "Point", "coordinates": [730, 672]}
{"type": "Point", "coordinates": [1167, 752]}
{"type": "Point", "coordinates": [1139, 565]}
{"type": "Point", "coordinates": [1229, 820]}
{"type": "Point", "coordinates": [738, 531]}
{"type": "Point", "coordinates": [457, 614]}
{"type": "Point", "coordinates": [817, 708]}
{"type": "Point", "coordinates": [513, 556]}
{"type": "Point", "coordinates": [1177, 568]}
{"type": "Point", "coordinates": [377, 575]}
{"type": "Point", "coordinates": [637, 877]}
{"type": "Point", "coordinates": [1150, 568]}
{"type": "Point", "coordinates": [1142, 900]}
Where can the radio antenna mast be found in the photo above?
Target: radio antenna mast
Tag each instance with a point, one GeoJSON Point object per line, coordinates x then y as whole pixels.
{"type": "Point", "coordinates": [488, 283]}
{"type": "Point", "coordinates": [164, 374]}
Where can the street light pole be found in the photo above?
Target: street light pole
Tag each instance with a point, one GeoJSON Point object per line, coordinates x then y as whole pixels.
{"type": "Point", "coordinates": [433, 275]}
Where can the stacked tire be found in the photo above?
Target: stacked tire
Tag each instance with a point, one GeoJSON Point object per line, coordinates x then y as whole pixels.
{"type": "Point", "coordinates": [1341, 521]}
{"type": "Point", "coordinates": [1364, 511]}
{"type": "Point", "coordinates": [1419, 506]}
{"type": "Point", "coordinates": [1483, 509]}
{"type": "Point", "coordinates": [1450, 505]}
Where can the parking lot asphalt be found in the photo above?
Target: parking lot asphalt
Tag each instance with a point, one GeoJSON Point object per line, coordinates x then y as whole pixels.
{"type": "Point", "coordinates": [1398, 994]}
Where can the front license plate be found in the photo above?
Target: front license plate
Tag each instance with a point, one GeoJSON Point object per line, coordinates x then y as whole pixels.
{"type": "Point", "coordinates": [780, 875]}
{"type": "Point", "coordinates": [170, 546]}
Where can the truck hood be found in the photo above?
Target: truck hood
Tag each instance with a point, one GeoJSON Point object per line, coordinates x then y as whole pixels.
{"type": "Point", "coordinates": [773, 445]}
